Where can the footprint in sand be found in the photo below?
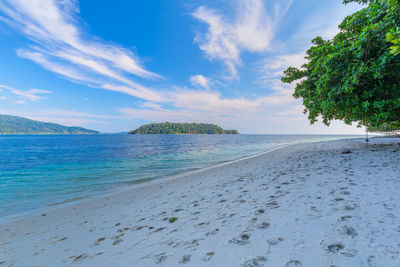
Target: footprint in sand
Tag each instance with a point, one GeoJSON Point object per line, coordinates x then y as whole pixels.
{"type": "Point", "coordinates": [294, 263]}
{"type": "Point", "coordinates": [350, 253]}
{"type": "Point", "coordinates": [160, 258]}
{"type": "Point", "coordinates": [186, 258]}
{"type": "Point", "coordinates": [81, 257]}
{"type": "Point", "coordinates": [345, 218]}
{"type": "Point", "coordinates": [99, 240]}
{"type": "Point", "coordinates": [118, 241]}
{"type": "Point", "coordinates": [243, 239]}
{"type": "Point", "coordinates": [335, 247]}
{"type": "Point", "coordinates": [258, 261]}
{"type": "Point", "coordinates": [158, 229]}
{"type": "Point", "coordinates": [213, 232]}
{"type": "Point", "coordinates": [208, 256]}
{"type": "Point", "coordinates": [371, 261]}
{"type": "Point", "coordinates": [350, 207]}
{"type": "Point", "coordinates": [272, 204]}
{"type": "Point", "coordinates": [275, 241]}
{"type": "Point", "coordinates": [263, 225]}
{"type": "Point", "coordinates": [348, 230]}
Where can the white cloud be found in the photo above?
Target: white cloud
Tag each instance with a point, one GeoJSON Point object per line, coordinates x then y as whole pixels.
{"type": "Point", "coordinates": [322, 22]}
{"type": "Point", "coordinates": [27, 95]}
{"type": "Point", "coordinates": [252, 29]}
{"type": "Point", "coordinates": [283, 61]}
{"type": "Point", "coordinates": [200, 80]}
{"type": "Point", "coordinates": [213, 102]}
{"type": "Point", "coordinates": [151, 105]}
{"type": "Point", "coordinates": [61, 46]}
{"type": "Point", "coordinates": [208, 106]}
{"type": "Point", "coordinates": [271, 69]}
{"type": "Point", "coordinates": [140, 92]}
{"type": "Point", "coordinates": [157, 115]}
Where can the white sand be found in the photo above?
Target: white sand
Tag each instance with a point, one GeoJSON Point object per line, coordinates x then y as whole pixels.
{"type": "Point", "coordinates": [304, 205]}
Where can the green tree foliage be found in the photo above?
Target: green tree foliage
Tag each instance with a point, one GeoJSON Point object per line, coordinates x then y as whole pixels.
{"type": "Point", "coordinates": [394, 37]}
{"type": "Point", "coordinates": [19, 125]}
{"type": "Point", "coordinates": [181, 128]}
{"type": "Point", "coordinates": [386, 128]}
{"type": "Point", "coordinates": [355, 77]}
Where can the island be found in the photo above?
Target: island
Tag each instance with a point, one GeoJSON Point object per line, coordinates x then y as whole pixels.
{"type": "Point", "coordinates": [19, 125]}
{"type": "Point", "coordinates": [181, 128]}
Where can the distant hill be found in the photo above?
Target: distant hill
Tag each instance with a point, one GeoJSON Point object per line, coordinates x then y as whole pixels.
{"type": "Point", "coordinates": [181, 128]}
{"type": "Point", "coordinates": [18, 125]}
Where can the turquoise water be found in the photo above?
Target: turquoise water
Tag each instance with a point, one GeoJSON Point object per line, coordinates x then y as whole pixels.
{"type": "Point", "coordinates": [41, 171]}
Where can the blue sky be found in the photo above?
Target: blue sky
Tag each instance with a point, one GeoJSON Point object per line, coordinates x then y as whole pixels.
{"type": "Point", "coordinates": [114, 65]}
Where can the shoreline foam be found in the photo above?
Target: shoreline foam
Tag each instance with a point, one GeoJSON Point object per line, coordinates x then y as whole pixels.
{"type": "Point", "coordinates": [134, 184]}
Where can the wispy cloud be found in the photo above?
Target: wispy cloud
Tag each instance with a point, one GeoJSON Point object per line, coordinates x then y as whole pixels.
{"type": "Point", "coordinates": [252, 29]}
{"type": "Point", "coordinates": [203, 101]}
{"type": "Point", "coordinates": [292, 51]}
{"type": "Point", "coordinates": [200, 80]}
{"type": "Point", "coordinates": [140, 92]}
{"type": "Point", "coordinates": [60, 45]}
{"type": "Point", "coordinates": [26, 95]}
{"type": "Point", "coordinates": [271, 68]}
{"type": "Point", "coordinates": [208, 106]}
{"type": "Point", "coordinates": [151, 105]}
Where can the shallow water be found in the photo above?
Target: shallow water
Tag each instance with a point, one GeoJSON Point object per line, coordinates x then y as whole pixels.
{"type": "Point", "coordinates": [43, 170]}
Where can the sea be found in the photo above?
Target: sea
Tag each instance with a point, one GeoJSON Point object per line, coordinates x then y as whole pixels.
{"type": "Point", "coordinates": [41, 171]}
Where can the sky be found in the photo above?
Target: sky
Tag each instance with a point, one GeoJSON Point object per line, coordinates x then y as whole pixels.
{"type": "Point", "coordinates": [115, 65]}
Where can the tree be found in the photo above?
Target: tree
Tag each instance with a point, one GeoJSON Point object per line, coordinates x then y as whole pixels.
{"type": "Point", "coordinates": [386, 128]}
{"type": "Point", "coordinates": [181, 128]}
{"type": "Point", "coordinates": [355, 77]}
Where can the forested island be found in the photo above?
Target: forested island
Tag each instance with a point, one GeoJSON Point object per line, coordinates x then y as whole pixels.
{"type": "Point", "coordinates": [19, 125]}
{"type": "Point", "coordinates": [181, 128]}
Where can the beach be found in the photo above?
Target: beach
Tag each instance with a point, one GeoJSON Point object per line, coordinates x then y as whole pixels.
{"type": "Point", "coordinates": [302, 205]}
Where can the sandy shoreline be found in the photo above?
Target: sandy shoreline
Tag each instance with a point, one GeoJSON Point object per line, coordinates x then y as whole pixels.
{"type": "Point", "coordinates": [120, 190]}
{"type": "Point", "coordinates": [303, 205]}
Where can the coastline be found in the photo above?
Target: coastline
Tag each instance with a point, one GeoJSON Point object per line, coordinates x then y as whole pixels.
{"type": "Point", "coordinates": [119, 190]}
{"type": "Point", "coordinates": [132, 222]}
{"type": "Point", "coordinates": [141, 182]}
